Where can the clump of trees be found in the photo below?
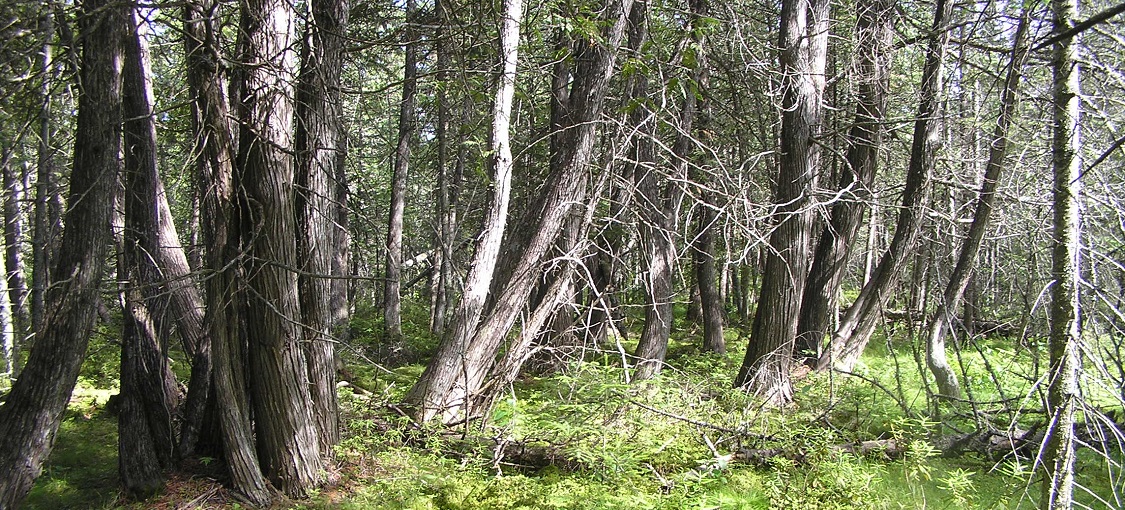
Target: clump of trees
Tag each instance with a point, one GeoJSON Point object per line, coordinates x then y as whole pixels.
{"type": "Point", "coordinates": [543, 180]}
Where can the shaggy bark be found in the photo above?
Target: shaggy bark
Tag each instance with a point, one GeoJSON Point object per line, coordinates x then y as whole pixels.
{"type": "Point", "coordinates": [431, 393]}
{"type": "Point", "coordinates": [30, 417]}
{"type": "Point", "coordinates": [149, 393]}
{"type": "Point", "coordinates": [286, 434]}
{"type": "Point", "coordinates": [858, 323]}
{"type": "Point", "coordinates": [317, 138]}
{"type": "Point", "coordinates": [219, 218]}
{"type": "Point", "coordinates": [659, 212]}
{"type": "Point", "coordinates": [874, 31]}
{"type": "Point", "coordinates": [803, 43]}
{"type": "Point", "coordinates": [450, 385]}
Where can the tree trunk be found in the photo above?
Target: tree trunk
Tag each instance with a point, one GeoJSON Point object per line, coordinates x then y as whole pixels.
{"type": "Point", "coordinates": [659, 211]}
{"type": "Point", "coordinates": [318, 133]}
{"type": "Point", "coordinates": [1063, 393]}
{"type": "Point", "coordinates": [449, 387]}
{"type": "Point", "coordinates": [284, 426]}
{"type": "Point", "coordinates": [206, 81]}
{"type": "Point", "coordinates": [46, 190]}
{"type": "Point", "coordinates": [16, 283]}
{"type": "Point", "coordinates": [30, 417]}
{"type": "Point", "coordinates": [803, 44]}
{"type": "Point", "coordinates": [943, 320]}
{"type": "Point", "coordinates": [149, 394]}
{"type": "Point", "coordinates": [392, 298]}
{"type": "Point", "coordinates": [445, 212]}
{"type": "Point", "coordinates": [430, 393]}
{"type": "Point", "coordinates": [858, 323]}
{"type": "Point", "coordinates": [710, 296]}
{"type": "Point", "coordinates": [874, 31]}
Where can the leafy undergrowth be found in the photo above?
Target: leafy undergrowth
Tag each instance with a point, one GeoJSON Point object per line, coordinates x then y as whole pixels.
{"type": "Point", "coordinates": [676, 442]}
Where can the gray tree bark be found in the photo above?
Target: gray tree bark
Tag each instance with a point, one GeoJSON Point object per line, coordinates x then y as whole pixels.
{"type": "Point", "coordinates": [392, 296]}
{"type": "Point", "coordinates": [874, 32]}
{"type": "Point", "coordinates": [446, 211]}
{"type": "Point", "coordinates": [1063, 393]}
{"type": "Point", "coordinates": [703, 246]}
{"type": "Point", "coordinates": [45, 228]}
{"type": "Point", "coordinates": [659, 211]}
{"type": "Point", "coordinates": [30, 416]}
{"type": "Point", "coordinates": [16, 282]}
{"type": "Point", "coordinates": [219, 217]}
{"type": "Point", "coordinates": [439, 393]}
{"type": "Point", "coordinates": [858, 323]}
{"type": "Point", "coordinates": [450, 386]}
{"type": "Point", "coordinates": [149, 394]}
{"type": "Point", "coordinates": [286, 433]}
{"type": "Point", "coordinates": [803, 43]}
{"type": "Point", "coordinates": [317, 138]}
{"type": "Point", "coordinates": [942, 322]}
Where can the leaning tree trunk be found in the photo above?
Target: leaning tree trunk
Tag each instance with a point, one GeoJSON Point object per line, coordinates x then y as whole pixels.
{"type": "Point", "coordinates": [449, 387]}
{"type": "Point", "coordinates": [874, 31]}
{"type": "Point", "coordinates": [659, 211]}
{"type": "Point", "coordinates": [318, 133]}
{"type": "Point", "coordinates": [392, 295]}
{"type": "Point", "coordinates": [803, 44]}
{"type": "Point", "coordinates": [30, 417]}
{"type": "Point", "coordinates": [1063, 393]}
{"type": "Point", "coordinates": [441, 376]}
{"type": "Point", "coordinates": [858, 323]}
{"type": "Point", "coordinates": [207, 84]}
{"type": "Point", "coordinates": [149, 393]}
{"type": "Point", "coordinates": [943, 320]}
{"type": "Point", "coordinates": [287, 442]}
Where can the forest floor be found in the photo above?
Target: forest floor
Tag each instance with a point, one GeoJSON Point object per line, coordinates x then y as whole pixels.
{"type": "Point", "coordinates": [578, 435]}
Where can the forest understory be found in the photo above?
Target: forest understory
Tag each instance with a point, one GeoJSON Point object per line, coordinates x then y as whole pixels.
{"type": "Point", "coordinates": [574, 433]}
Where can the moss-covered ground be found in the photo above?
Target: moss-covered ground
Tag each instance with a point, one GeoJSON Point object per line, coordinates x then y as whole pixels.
{"type": "Point", "coordinates": [668, 443]}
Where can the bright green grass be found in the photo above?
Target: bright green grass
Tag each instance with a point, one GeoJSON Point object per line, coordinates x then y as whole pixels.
{"type": "Point", "coordinates": [662, 444]}
{"type": "Point", "coordinates": [82, 470]}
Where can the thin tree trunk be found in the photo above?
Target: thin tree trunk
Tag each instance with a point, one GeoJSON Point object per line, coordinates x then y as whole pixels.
{"type": "Point", "coordinates": [660, 211]}
{"type": "Point", "coordinates": [446, 213]}
{"type": "Point", "coordinates": [30, 416]}
{"type": "Point", "coordinates": [219, 217]}
{"type": "Point", "coordinates": [340, 304]}
{"type": "Point", "coordinates": [392, 298]}
{"type": "Point", "coordinates": [874, 31]}
{"type": "Point", "coordinates": [44, 231]}
{"type": "Point", "coordinates": [13, 264]}
{"type": "Point", "coordinates": [450, 385]}
{"type": "Point", "coordinates": [318, 133]}
{"type": "Point", "coordinates": [432, 390]}
{"type": "Point", "coordinates": [1063, 393]}
{"type": "Point", "coordinates": [943, 320]}
{"type": "Point", "coordinates": [710, 295]}
{"type": "Point", "coordinates": [288, 445]}
{"type": "Point", "coordinates": [803, 44]}
{"type": "Point", "coordinates": [858, 323]}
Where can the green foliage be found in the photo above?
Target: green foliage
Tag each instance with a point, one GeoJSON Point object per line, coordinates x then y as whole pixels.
{"type": "Point", "coordinates": [677, 441]}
